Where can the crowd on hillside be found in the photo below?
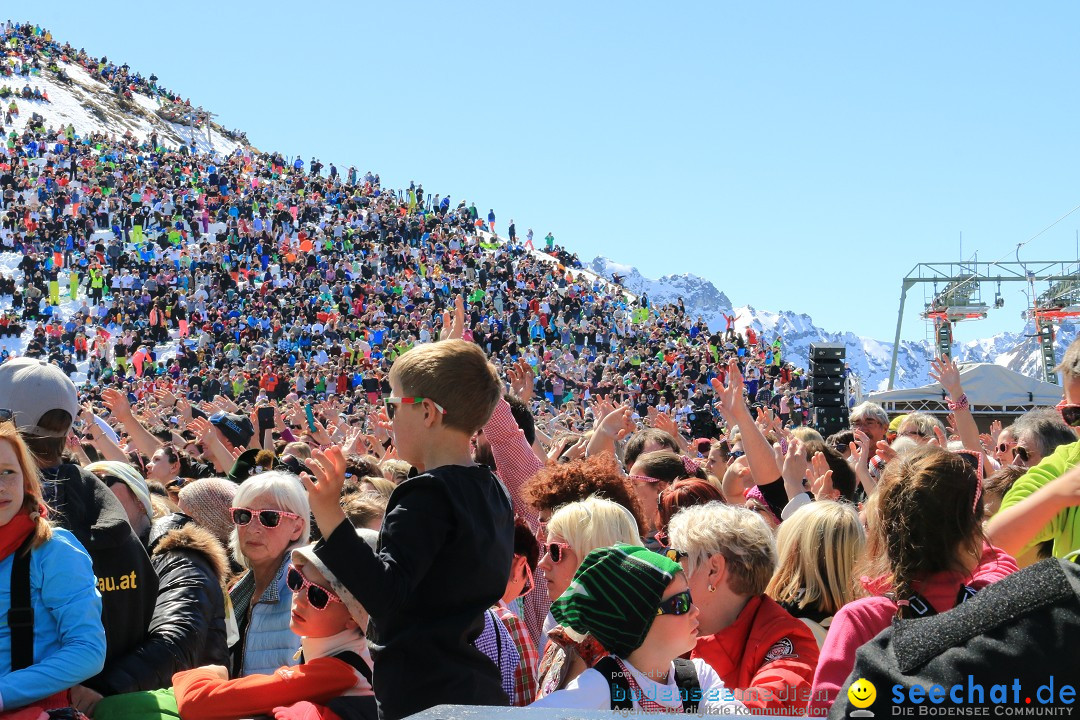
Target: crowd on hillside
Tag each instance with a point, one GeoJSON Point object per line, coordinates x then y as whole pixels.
{"type": "Point", "coordinates": [282, 441]}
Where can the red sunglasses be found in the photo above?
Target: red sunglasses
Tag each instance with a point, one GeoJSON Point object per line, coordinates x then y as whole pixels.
{"type": "Point", "coordinates": [556, 550]}
{"type": "Point", "coordinates": [318, 596]}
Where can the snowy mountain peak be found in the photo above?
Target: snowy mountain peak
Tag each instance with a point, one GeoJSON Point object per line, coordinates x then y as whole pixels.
{"type": "Point", "coordinates": [700, 296]}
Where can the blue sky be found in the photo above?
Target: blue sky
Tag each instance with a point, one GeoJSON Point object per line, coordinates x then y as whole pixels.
{"type": "Point", "coordinates": [801, 156]}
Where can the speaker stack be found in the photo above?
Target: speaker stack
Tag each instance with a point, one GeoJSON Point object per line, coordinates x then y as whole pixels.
{"type": "Point", "coordinates": [829, 411]}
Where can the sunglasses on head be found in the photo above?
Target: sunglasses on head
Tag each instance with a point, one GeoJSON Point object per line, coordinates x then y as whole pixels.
{"type": "Point", "coordinates": [974, 460]}
{"type": "Point", "coordinates": [318, 596]}
{"type": "Point", "coordinates": [556, 550]}
{"type": "Point", "coordinates": [677, 604]}
{"type": "Point", "coordinates": [646, 479]}
{"type": "Point", "coordinates": [267, 518]}
{"type": "Point", "coordinates": [1069, 412]}
{"type": "Point", "coordinates": [6, 415]}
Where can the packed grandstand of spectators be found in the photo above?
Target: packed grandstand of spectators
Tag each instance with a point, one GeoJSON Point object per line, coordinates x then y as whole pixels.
{"type": "Point", "coordinates": [215, 327]}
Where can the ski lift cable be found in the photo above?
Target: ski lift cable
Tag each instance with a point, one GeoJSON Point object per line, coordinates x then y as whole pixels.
{"type": "Point", "coordinates": [1018, 246]}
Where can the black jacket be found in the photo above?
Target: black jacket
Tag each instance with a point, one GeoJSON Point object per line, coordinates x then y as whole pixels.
{"type": "Point", "coordinates": [188, 627]}
{"type": "Point", "coordinates": [127, 581]}
{"type": "Point", "coordinates": [444, 557]}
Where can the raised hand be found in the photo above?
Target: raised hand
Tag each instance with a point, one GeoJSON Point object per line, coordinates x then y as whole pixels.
{"type": "Point", "coordinates": [618, 423]}
{"type": "Point", "coordinates": [859, 449]}
{"type": "Point", "coordinates": [820, 477]}
{"type": "Point", "coordinates": [226, 403]}
{"type": "Point", "coordinates": [184, 407]}
{"type": "Point", "coordinates": [576, 450]}
{"type": "Point", "coordinates": [166, 398]}
{"type": "Point", "coordinates": [944, 371]}
{"type": "Point", "coordinates": [201, 427]}
{"type": "Point", "coordinates": [353, 442]}
{"type": "Point", "coordinates": [730, 396]}
{"type": "Point", "coordinates": [117, 403]}
{"type": "Point", "coordinates": [795, 463]}
{"type": "Point", "coordinates": [522, 380]}
{"type": "Point", "coordinates": [324, 485]}
{"type": "Point", "coordinates": [453, 326]}
{"type": "Point", "coordinates": [885, 451]}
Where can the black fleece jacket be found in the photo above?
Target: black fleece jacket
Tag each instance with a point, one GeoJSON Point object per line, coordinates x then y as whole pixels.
{"type": "Point", "coordinates": [445, 550]}
{"type": "Point", "coordinates": [188, 626]}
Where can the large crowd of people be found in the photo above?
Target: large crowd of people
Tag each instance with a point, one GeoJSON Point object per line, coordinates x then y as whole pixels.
{"type": "Point", "coordinates": [304, 446]}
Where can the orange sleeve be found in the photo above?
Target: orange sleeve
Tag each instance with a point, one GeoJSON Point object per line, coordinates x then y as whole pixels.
{"type": "Point", "coordinates": [201, 694]}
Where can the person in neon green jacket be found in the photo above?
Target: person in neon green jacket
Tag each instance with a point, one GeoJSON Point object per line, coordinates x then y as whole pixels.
{"type": "Point", "coordinates": [1044, 504]}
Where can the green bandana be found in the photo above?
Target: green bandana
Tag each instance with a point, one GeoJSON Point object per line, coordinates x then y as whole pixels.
{"type": "Point", "coordinates": [614, 596]}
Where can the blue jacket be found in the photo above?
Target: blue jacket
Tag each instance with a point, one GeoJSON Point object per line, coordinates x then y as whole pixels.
{"type": "Point", "coordinates": [269, 642]}
{"type": "Point", "coordinates": [69, 640]}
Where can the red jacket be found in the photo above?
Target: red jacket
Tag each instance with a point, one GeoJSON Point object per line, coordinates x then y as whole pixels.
{"type": "Point", "coordinates": [201, 693]}
{"type": "Point", "coordinates": [766, 657]}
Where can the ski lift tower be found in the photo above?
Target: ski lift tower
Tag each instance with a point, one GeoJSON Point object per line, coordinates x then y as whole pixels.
{"type": "Point", "coordinates": [1061, 300]}
{"type": "Point", "coordinates": [960, 298]}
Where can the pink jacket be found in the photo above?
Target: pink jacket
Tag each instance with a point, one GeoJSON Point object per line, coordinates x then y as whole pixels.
{"type": "Point", "coordinates": [860, 621]}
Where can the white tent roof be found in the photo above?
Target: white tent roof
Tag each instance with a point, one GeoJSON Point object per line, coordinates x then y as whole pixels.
{"type": "Point", "coordinates": [990, 389]}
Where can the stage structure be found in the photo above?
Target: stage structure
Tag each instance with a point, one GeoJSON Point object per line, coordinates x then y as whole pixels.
{"type": "Point", "coordinates": [957, 296]}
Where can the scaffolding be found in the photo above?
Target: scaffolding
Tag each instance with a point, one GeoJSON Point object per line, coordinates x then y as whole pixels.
{"type": "Point", "coordinates": [960, 299]}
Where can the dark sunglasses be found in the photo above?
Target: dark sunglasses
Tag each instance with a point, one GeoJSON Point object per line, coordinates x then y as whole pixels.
{"type": "Point", "coordinates": [1070, 413]}
{"type": "Point", "coordinates": [6, 415]}
{"type": "Point", "coordinates": [557, 551]}
{"type": "Point", "coordinates": [1005, 447]}
{"type": "Point", "coordinates": [677, 604]}
{"type": "Point", "coordinates": [1021, 453]}
{"type": "Point", "coordinates": [267, 518]}
{"type": "Point", "coordinates": [318, 596]}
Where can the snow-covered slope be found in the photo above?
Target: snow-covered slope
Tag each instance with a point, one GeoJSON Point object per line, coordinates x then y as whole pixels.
{"type": "Point", "coordinates": [91, 106]}
{"type": "Point", "coordinates": [869, 358]}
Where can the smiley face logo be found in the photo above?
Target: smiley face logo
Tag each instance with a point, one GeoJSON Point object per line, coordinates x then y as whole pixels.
{"type": "Point", "coordinates": [862, 693]}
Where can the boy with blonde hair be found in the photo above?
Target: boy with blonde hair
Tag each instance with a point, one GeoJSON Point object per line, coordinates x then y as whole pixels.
{"type": "Point", "coordinates": [447, 540]}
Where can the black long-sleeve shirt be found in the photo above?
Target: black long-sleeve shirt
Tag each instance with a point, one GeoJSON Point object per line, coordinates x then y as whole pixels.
{"type": "Point", "coordinates": [444, 557]}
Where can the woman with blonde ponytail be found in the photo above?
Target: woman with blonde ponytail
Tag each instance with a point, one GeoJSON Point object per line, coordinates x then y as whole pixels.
{"type": "Point", "coordinates": [51, 637]}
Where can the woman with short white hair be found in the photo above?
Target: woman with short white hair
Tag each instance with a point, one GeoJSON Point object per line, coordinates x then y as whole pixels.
{"type": "Point", "coordinates": [575, 530]}
{"type": "Point", "coordinates": [271, 517]}
{"type": "Point", "coordinates": [760, 651]}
